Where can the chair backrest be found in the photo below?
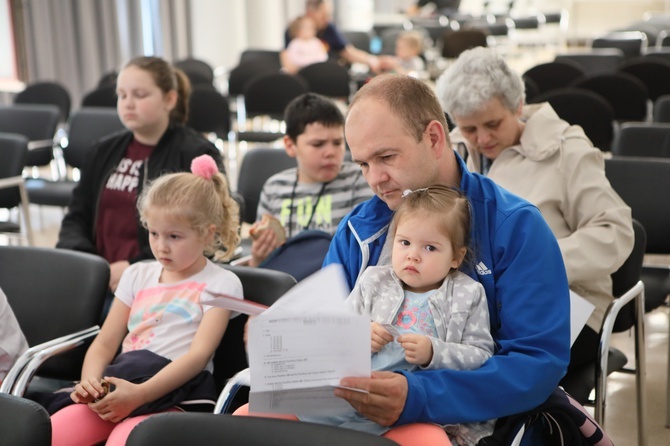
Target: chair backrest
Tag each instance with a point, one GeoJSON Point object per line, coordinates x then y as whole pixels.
{"type": "Point", "coordinates": [257, 166]}
{"type": "Point", "coordinates": [13, 153]}
{"type": "Point", "coordinates": [54, 292]}
{"type": "Point", "coordinates": [654, 74]}
{"type": "Point", "coordinates": [328, 79]}
{"type": "Point", "coordinates": [259, 285]}
{"type": "Point", "coordinates": [270, 93]}
{"type": "Point", "coordinates": [662, 109]}
{"type": "Point", "coordinates": [553, 75]}
{"type": "Point", "coordinates": [46, 93]}
{"type": "Point", "coordinates": [642, 139]}
{"type": "Point", "coordinates": [626, 94]}
{"type": "Point", "coordinates": [632, 43]}
{"type": "Point", "coordinates": [197, 70]}
{"type": "Point", "coordinates": [87, 126]}
{"type": "Point", "coordinates": [359, 39]}
{"type": "Point", "coordinates": [638, 181]}
{"type": "Point", "coordinates": [247, 70]}
{"type": "Point", "coordinates": [23, 422]}
{"type": "Point", "coordinates": [36, 122]}
{"type": "Point", "coordinates": [455, 42]}
{"type": "Point", "coordinates": [209, 111]}
{"type": "Point", "coordinates": [100, 97]}
{"type": "Point", "coordinates": [627, 276]}
{"type": "Point", "coordinates": [271, 57]}
{"type": "Point", "coordinates": [584, 108]}
{"type": "Point", "coordinates": [595, 61]}
{"type": "Point", "coordinates": [201, 429]}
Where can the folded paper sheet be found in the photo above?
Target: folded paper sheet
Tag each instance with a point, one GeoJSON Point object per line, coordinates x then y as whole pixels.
{"type": "Point", "coordinates": [303, 345]}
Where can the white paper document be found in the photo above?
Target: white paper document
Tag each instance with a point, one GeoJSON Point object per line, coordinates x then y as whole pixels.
{"type": "Point", "coordinates": [304, 344]}
{"type": "Point", "coordinates": [580, 310]}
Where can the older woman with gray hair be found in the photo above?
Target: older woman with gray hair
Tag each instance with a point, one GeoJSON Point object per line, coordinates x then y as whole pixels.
{"type": "Point", "coordinates": [530, 151]}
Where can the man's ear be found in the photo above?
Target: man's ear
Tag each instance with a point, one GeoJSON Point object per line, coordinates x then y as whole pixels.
{"type": "Point", "coordinates": [290, 147]}
{"type": "Point", "coordinates": [437, 137]}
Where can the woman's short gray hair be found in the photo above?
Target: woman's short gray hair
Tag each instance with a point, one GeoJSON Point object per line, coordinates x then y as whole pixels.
{"type": "Point", "coordinates": [477, 76]}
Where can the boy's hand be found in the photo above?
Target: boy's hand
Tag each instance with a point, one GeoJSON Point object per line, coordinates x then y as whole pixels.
{"type": "Point", "coordinates": [418, 348]}
{"type": "Point", "coordinates": [262, 246]}
{"type": "Point", "coordinates": [380, 337]}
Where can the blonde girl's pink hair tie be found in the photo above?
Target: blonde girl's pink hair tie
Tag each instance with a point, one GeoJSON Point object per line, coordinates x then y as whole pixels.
{"type": "Point", "coordinates": [204, 166]}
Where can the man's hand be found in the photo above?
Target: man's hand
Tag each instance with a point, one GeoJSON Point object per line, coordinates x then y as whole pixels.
{"type": "Point", "coordinates": [418, 348]}
{"type": "Point", "coordinates": [385, 400]}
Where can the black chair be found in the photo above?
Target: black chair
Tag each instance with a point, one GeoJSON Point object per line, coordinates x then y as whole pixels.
{"type": "Point", "coordinates": [56, 294]}
{"type": "Point", "coordinates": [642, 140]}
{"type": "Point", "coordinates": [271, 57]}
{"type": "Point", "coordinates": [552, 75]}
{"type": "Point", "coordinates": [100, 97]}
{"type": "Point", "coordinates": [636, 180]}
{"type": "Point", "coordinates": [209, 112]}
{"type": "Point", "coordinates": [626, 94]}
{"type": "Point", "coordinates": [624, 313]}
{"type": "Point", "coordinates": [23, 422]}
{"type": "Point", "coordinates": [247, 70]}
{"type": "Point", "coordinates": [654, 74]}
{"type": "Point", "coordinates": [257, 166]}
{"type": "Point", "coordinates": [658, 53]}
{"type": "Point", "coordinates": [87, 125]}
{"type": "Point", "coordinates": [265, 98]}
{"type": "Point", "coordinates": [36, 122]}
{"type": "Point", "coordinates": [595, 61]}
{"type": "Point", "coordinates": [453, 43]}
{"type": "Point", "coordinates": [263, 286]}
{"type": "Point", "coordinates": [198, 71]}
{"type": "Point", "coordinates": [632, 43]}
{"type": "Point", "coordinates": [661, 111]}
{"type": "Point", "coordinates": [206, 429]}
{"type": "Point", "coordinates": [586, 109]}
{"type": "Point", "coordinates": [359, 39]}
{"type": "Point", "coordinates": [328, 79]}
{"type": "Point", "coordinates": [46, 93]}
{"type": "Point", "coordinates": [13, 152]}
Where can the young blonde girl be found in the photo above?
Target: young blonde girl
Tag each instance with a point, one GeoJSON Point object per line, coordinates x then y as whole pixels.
{"type": "Point", "coordinates": [167, 337]}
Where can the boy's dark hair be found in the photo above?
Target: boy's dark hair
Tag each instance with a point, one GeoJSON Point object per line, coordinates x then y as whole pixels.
{"type": "Point", "coordinates": [307, 109]}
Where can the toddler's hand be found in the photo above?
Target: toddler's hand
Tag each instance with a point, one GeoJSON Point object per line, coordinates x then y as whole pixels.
{"type": "Point", "coordinates": [380, 337]}
{"type": "Point", "coordinates": [418, 348]}
{"type": "Point", "coordinates": [87, 391]}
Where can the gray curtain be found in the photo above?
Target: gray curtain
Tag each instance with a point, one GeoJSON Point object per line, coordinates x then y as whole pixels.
{"type": "Point", "coordinates": [76, 41]}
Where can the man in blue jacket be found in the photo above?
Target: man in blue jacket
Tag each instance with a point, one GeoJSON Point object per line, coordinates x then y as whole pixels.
{"type": "Point", "coordinates": [396, 131]}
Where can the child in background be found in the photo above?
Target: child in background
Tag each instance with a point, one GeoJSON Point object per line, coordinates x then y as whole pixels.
{"type": "Point", "coordinates": [408, 50]}
{"type": "Point", "coordinates": [304, 48]}
{"type": "Point", "coordinates": [156, 317]}
{"type": "Point", "coordinates": [323, 188]}
{"type": "Point", "coordinates": [425, 313]}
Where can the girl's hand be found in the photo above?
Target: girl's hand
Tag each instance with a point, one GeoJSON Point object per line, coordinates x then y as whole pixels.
{"type": "Point", "coordinates": [418, 348]}
{"type": "Point", "coordinates": [380, 337]}
{"type": "Point", "coordinates": [117, 405]}
{"type": "Point", "coordinates": [87, 391]}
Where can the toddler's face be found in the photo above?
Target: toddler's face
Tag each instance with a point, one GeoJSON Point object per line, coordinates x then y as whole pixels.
{"type": "Point", "coordinates": [403, 50]}
{"type": "Point", "coordinates": [307, 29]}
